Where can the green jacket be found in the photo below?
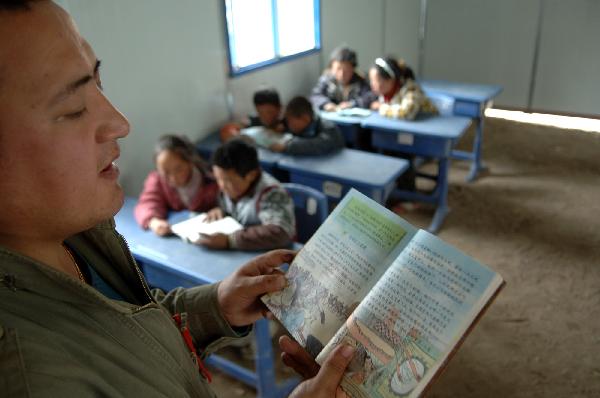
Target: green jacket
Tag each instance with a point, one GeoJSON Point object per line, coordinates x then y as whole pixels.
{"type": "Point", "coordinates": [61, 338]}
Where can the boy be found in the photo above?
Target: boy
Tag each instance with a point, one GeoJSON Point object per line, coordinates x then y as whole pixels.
{"type": "Point", "coordinates": [254, 198]}
{"type": "Point", "coordinates": [268, 111]}
{"type": "Point", "coordinates": [312, 135]}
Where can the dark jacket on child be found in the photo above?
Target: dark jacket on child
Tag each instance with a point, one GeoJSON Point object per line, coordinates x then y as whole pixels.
{"type": "Point", "coordinates": [329, 90]}
{"type": "Point", "coordinates": [319, 138]}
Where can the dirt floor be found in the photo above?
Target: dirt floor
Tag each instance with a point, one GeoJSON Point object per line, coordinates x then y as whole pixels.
{"type": "Point", "coordinates": [534, 217]}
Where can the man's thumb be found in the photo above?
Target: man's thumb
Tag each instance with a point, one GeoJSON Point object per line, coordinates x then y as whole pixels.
{"type": "Point", "coordinates": [332, 370]}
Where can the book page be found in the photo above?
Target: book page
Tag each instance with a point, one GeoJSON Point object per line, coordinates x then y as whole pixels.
{"type": "Point", "coordinates": [264, 137]}
{"type": "Point", "coordinates": [192, 228]}
{"type": "Point", "coordinates": [413, 318]}
{"type": "Point", "coordinates": [336, 269]}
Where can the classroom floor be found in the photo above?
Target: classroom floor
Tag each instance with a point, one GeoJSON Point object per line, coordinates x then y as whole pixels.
{"type": "Point", "coordinates": [534, 216]}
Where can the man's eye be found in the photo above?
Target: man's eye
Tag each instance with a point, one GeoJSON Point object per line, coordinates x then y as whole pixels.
{"type": "Point", "coordinates": [74, 115]}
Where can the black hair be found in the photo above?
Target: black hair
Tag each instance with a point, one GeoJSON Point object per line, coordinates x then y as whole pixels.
{"type": "Point", "coordinates": [268, 96]}
{"type": "Point", "coordinates": [299, 106]}
{"type": "Point", "coordinates": [343, 54]}
{"type": "Point", "coordinates": [390, 68]}
{"type": "Point", "coordinates": [182, 147]}
{"type": "Point", "coordinates": [236, 154]}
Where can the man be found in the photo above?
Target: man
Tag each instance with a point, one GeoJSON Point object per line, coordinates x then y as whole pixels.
{"type": "Point", "coordinates": [76, 316]}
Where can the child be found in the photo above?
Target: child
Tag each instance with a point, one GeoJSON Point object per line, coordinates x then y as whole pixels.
{"type": "Point", "coordinates": [180, 181]}
{"type": "Point", "coordinates": [341, 86]}
{"type": "Point", "coordinates": [399, 95]}
{"type": "Point", "coordinates": [254, 198]}
{"type": "Point", "coordinates": [311, 134]}
{"type": "Point", "coordinates": [268, 114]}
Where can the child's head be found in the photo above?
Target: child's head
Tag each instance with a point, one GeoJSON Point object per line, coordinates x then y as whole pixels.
{"type": "Point", "coordinates": [342, 64]}
{"type": "Point", "coordinates": [298, 114]}
{"type": "Point", "coordinates": [268, 107]}
{"type": "Point", "coordinates": [386, 74]}
{"type": "Point", "coordinates": [236, 167]}
{"type": "Point", "coordinates": [175, 156]}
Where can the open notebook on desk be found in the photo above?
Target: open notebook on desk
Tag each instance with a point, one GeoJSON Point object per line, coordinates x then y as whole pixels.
{"type": "Point", "coordinates": [192, 228]}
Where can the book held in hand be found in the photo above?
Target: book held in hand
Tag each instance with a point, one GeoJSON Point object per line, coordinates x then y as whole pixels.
{"type": "Point", "coordinates": [403, 297]}
{"type": "Point", "coordinates": [192, 228]}
{"type": "Point", "coordinates": [264, 137]}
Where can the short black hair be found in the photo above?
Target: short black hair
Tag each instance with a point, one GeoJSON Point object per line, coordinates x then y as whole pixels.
{"type": "Point", "coordinates": [268, 96]}
{"type": "Point", "coordinates": [343, 54]}
{"type": "Point", "coordinates": [299, 106]}
{"type": "Point", "coordinates": [236, 154]}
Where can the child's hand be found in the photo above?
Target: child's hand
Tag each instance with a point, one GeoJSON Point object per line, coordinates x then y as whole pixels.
{"type": "Point", "coordinates": [214, 241]}
{"type": "Point", "coordinates": [278, 147]}
{"type": "Point", "coordinates": [214, 214]}
{"type": "Point", "coordinates": [375, 105]}
{"type": "Point", "coordinates": [345, 104]}
{"type": "Point", "coordinates": [159, 226]}
{"type": "Point", "coordinates": [330, 107]}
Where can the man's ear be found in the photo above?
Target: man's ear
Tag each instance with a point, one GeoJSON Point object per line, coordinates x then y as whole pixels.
{"type": "Point", "coordinates": [253, 175]}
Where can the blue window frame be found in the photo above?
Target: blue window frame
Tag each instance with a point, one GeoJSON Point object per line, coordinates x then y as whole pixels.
{"type": "Point", "coordinates": [266, 32]}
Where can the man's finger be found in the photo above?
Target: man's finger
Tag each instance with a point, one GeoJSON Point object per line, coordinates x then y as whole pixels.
{"type": "Point", "coordinates": [332, 371]}
{"type": "Point", "coordinates": [262, 284]}
{"type": "Point", "coordinates": [299, 354]}
{"type": "Point", "coordinates": [290, 362]}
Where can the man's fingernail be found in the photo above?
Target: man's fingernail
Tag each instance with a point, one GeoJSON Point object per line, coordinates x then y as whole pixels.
{"type": "Point", "coordinates": [347, 351]}
{"type": "Point", "coordinates": [282, 281]}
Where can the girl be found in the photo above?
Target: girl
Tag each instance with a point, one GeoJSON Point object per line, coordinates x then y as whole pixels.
{"type": "Point", "coordinates": [180, 182]}
{"type": "Point", "coordinates": [399, 95]}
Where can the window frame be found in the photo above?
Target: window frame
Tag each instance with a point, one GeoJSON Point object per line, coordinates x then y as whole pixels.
{"type": "Point", "coordinates": [234, 72]}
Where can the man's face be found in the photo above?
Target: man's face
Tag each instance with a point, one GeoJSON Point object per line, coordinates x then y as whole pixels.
{"type": "Point", "coordinates": [342, 71]}
{"type": "Point", "coordinates": [268, 114]}
{"type": "Point", "coordinates": [58, 132]}
{"type": "Point", "coordinates": [233, 184]}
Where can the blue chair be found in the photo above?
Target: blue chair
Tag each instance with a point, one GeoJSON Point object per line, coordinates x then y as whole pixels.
{"type": "Point", "coordinates": [310, 208]}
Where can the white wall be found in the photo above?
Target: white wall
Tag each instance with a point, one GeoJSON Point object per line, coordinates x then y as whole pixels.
{"type": "Point", "coordinates": [568, 78]}
{"type": "Point", "coordinates": [164, 66]}
{"type": "Point", "coordinates": [483, 41]}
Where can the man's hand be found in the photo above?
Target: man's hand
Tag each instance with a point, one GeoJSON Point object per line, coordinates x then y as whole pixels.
{"type": "Point", "coordinates": [318, 383]}
{"type": "Point", "coordinates": [214, 214]}
{"type": "Point", "coordinates": [159, 226]}
{"type": "Point", "coordinates": [214, 241]}
{"type": "Point", "coordinates": [239, 293]}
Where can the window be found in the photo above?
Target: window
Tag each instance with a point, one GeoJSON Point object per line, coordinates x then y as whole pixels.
{"type": "Point", "coordinates": [264, 32]}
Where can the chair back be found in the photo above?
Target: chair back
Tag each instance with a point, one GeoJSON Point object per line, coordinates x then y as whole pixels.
{"type": "Point", "coordinates": [310, 209]}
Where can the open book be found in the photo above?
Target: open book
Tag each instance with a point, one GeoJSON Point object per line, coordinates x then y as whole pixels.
{"type": "Point", "coordinates": [402, 296]}
{"type": "Point", "coordinates": [192, 228]}
{"type": "Point", "coordinates": [264, 137]}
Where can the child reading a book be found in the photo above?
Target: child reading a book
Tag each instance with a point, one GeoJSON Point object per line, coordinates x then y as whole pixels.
{"type": "Point", "coordinates": [311, 134]}
{"type": "Point", "coordinates": [251, 196]}
{"type": "Point", "coordinates": [341, 86]}
{"type": "Point", "coordinates": [180, 181]}
{"type": "Point", "coordinates": [399, 95]}
{"type": "Point", "coordinates": [268, 115]}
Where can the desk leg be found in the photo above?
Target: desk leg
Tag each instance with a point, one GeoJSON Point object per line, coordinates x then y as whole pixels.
{"type": "Point", "coordinates": [477, 165]}
{"type": "Point", "coordinates": [266, 385]}
{"type": "Point", "coordinates": [442, 197]}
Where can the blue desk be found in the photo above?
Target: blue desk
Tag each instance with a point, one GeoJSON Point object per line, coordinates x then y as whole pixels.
{"type": "Point", "coordinates": [370, 173]}
{"type": "Point", "coordinates": [168, 262]}
{"type": "Point", "coordinates": [348, 125]}
{"type": "Point", "coordinates": [471, 101]}
{"type": "Point", "coordinates": [433, 137]}
{"type": "Point", "coordinates": [207, 146]}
